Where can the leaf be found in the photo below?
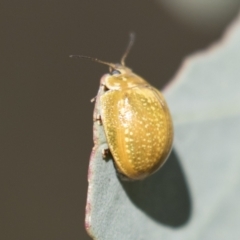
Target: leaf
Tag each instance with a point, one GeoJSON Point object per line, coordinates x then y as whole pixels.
{"type": "Point", "coordinates": [196, 194]}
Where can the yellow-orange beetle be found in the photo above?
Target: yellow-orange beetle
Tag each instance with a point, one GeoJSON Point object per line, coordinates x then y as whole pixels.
{"type": "Point", "coordinates": [136, 120]}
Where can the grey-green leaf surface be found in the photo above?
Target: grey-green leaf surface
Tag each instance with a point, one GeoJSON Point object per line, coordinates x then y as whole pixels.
{"type": "Point", "coordinates": [196, 194]}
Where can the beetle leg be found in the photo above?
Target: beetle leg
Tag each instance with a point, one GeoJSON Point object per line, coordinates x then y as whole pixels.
{"type": "Point", "coordinates": [98, 119]}
{"type": "Point", "coordinates": [105, 153]}
{"type": "Point", "coordinates": [93, 99]}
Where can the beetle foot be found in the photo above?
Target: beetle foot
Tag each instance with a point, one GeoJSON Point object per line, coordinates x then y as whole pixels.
{"type": "Point", "coordinates": [98, 119]}
{"type": "Point", "coordinates": [105, 153]}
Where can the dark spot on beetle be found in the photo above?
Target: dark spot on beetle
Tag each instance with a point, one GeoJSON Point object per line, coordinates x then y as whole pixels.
{"type": "Point", "coordinates": [105, 89]}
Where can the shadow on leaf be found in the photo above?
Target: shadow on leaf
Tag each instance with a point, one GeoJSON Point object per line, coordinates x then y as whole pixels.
{"type": "Point", "coordinates": [164, 196]}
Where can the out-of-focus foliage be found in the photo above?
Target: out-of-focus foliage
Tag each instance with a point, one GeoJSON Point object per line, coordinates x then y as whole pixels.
{"type": "Point", "coordinates": [202, 15]}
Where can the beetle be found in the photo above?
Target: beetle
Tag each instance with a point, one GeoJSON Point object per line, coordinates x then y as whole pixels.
{"type": "Point", "coordinates": [136, 120]}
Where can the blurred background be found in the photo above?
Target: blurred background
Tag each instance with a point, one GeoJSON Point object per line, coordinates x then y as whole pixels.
{"type": "Point", "coordinates": [46, 114]}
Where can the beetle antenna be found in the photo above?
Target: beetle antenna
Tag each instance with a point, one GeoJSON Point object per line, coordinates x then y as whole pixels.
{"type": "Point", "coordinates": [93, 59]}
{"type": "Point", "coordinates": [130, 44]}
